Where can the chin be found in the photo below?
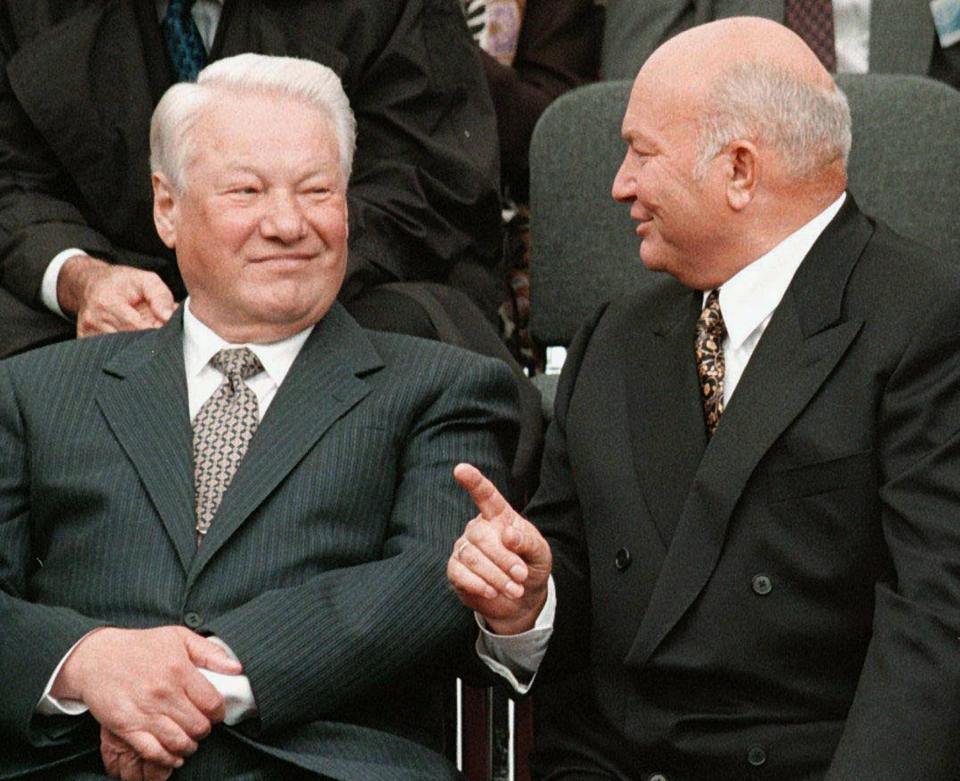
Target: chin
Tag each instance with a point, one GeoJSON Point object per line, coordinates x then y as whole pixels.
{"type": "Point", "coordinates": [651, 259]}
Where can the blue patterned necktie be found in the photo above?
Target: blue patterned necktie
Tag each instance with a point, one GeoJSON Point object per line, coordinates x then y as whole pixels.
{"type": "Point", "coordinates": [222, 431]}
{"type": "Point", "coordinates": [183, 40]}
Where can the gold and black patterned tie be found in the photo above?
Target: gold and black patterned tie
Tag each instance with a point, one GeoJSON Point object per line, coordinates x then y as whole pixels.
{"type": "Point", "coordinates": [222, 431]}
{"type": "Point", "coordinates": [812, 20]}
{"type": "Point", "coordinates": [709, 349]}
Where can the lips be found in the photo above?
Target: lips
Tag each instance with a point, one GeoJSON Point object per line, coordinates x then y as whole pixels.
{"type": "Point", "coordinates": [298, 257]}
{"type": "Point", "coordinates": [643, 225]}
{"type": "Point", "coordinates": [283, 264]}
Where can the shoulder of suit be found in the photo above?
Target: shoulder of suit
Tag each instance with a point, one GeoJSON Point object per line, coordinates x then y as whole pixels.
{"type": "Point", "coordinates": [407, 349]}
{"type": "Point", "coordinates": [75, 354]}
{"type": "Point", "coordinates": [649, 300]}
{"type": "Point", "coordinates": [909, 269]}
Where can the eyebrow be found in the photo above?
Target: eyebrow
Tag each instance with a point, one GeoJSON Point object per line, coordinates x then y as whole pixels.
{"type": "Point", "coordinates": [632, 136]}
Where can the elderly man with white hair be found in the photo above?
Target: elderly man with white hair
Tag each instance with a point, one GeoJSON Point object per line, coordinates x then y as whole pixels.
{"type": "Point", "coordinates": [222, 542]}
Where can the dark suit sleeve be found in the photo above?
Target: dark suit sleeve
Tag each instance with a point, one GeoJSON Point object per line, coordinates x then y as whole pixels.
{"type": "Point", "coordinates": [41, 212]}
{"type": "Point", "coordinates": [555, 510]}
{"type": "Point", "coordinates": [424, 200]}
{"type": "Point", "coordinates": [34, 637]}
{"type": "Point", "coordinates": [315, 648]}
{"type": "Point", "coordinates": [36, 219]}
{"type": "Point", "coordinates": [905, 718]}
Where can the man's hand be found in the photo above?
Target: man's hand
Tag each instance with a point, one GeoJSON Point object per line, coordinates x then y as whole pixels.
{"type": "Point", "coordinates": [500, 566]}
{"type": "Point", "coordinates": [121, 761]}
{"type": "Point", "coordinates": [144, 687]}
{"type": "Point", "coordinates": [107, 298]}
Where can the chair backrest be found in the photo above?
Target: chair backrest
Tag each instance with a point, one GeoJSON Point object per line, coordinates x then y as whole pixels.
{"type": "Point", "coordinates": [904, 169]}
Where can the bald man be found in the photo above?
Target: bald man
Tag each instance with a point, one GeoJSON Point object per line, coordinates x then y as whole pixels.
{"type": "Point", "coordinates": [750, 498]}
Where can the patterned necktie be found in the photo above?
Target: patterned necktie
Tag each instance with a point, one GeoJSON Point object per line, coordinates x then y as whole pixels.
{"type": "Point", "coordinates": [709, 349]}
{"type": "Point", "coordinates": [812, 20]}
{"type": "Point", "coordinates": [183, 40]}
{"type": "Point", "coordinates": [222, 431]}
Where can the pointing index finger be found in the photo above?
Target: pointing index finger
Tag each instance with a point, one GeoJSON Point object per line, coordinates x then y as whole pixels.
{"type": "Point", "coordinates": [485, 495]}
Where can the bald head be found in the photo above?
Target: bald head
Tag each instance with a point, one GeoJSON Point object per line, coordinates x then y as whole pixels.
{"type": "Point", "coordinates": [700, 54]}
{"type": "Point", "coordinates": [736, 137]}
{"type": "Point", "coordinates": [753, 78]}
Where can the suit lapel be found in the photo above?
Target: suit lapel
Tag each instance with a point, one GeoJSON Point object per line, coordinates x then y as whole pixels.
{"type": "Point", "coordinates": [143, 396]}
{"type": "Point", "coordinates": [322, 385]}
{"type": "Point", "coordinates": [666, 424]}
{"type": "Point", "coordinates": [802, 344]}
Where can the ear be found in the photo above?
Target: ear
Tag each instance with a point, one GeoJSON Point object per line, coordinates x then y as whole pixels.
{"type": "Point", "coordinates": [743, 172]}
{"type": "Point", "coordinates": [165, 207]}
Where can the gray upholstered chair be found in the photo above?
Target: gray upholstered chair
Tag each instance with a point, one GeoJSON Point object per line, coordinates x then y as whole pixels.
{"type": "Point", "coordinates": [904, 168]}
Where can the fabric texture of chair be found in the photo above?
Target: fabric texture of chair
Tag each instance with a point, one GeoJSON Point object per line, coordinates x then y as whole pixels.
{"type": "Point", "coordinates": [904, 170]}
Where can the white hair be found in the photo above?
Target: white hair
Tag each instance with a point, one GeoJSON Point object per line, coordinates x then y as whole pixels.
{"type": "Point", "coordinates": [177, 112]}
{"type": "Point", "coordinates": [808, 125]}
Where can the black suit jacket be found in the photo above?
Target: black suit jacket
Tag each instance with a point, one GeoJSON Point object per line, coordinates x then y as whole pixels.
{"type": "Point", "coordinates": [558, 48]}
{"type": "Point", "coordinates": [323, 569]}
{"type": "Point", "coordinates": [79, 80]}
{"type": "Point", "coordinates": [782, 601]}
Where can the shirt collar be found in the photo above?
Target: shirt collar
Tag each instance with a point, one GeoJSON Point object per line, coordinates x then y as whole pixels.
{"type": "Point", "coordinates": [200, 344]}
{"type": "Point", "coordinates": [749, 297]}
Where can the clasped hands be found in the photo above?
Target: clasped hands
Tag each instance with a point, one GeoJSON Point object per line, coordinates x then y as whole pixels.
{"type": "Point", "coordinates": [500, 566]}
{"type": "Point", "coordinates": [145, 689]}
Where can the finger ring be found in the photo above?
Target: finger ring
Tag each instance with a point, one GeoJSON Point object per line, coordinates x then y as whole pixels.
{"type": "Point", "coordinates": [460, 548]}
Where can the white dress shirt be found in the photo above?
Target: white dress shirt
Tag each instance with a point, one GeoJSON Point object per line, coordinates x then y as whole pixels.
{"type": "Point", "coordinates": [200, 344]}
{"type": "Point", "coordinates": [749, 297]}
{"type": "Point", "coordinates": [747, 301]}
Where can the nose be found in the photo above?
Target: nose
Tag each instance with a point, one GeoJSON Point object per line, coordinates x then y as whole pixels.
{"type": "Point", "coordinates": [624, 183]}
{"type": "Point", "coordinates": [284, 219]}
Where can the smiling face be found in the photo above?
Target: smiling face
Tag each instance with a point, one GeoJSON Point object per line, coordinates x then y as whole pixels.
{"type": "Point", "coordinates": [702, 220]}
{"type": "Point", "coordinates": [679, 216]}
{"type": "Point", "coordinates": [260, 225]}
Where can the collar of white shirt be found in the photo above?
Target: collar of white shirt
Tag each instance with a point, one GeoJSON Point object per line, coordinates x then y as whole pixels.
{"type": "Point", "coordinates": [200, 344]}
{"type": "Point", "coordinates": [749, 297]}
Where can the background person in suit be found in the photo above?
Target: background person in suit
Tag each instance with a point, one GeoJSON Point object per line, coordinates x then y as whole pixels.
{"type": "Point", "coordinates": [75, 204]}
{"type": "Point", "coordinates": [532, 52]}
{"type": "Point", "coordinates": [780, 597]}
{"type": "Point", "coordinates": [316, 543]}
{"type": "Point", "coordinates": [880, 36]}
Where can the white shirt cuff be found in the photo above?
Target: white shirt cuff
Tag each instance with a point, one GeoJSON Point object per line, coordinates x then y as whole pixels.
{"type": "Point", "coordinates": [516, 658]}
{"type": "Point", "coordinates": [48, 285]}
{"type": "Point", "coordinates": [50, 705]}
{"type": "Point", "coordinates": [235, 690]}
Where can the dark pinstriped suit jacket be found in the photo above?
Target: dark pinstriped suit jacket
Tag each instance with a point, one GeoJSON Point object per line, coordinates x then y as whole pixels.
{"type": "Point", "coordinates": [324, 566]}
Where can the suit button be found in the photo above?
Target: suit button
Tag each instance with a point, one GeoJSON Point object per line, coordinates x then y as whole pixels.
{"type": "Point", "coordinates": [622, 559]}
{"type": "Point", "coordinates": [761, 585]}
{"type": "Point", "coordinates": [657, 777]}
{"type": "Point", "coordinates": [756, 756]}
{"type": "Point", "coordinates": [193, 620]}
